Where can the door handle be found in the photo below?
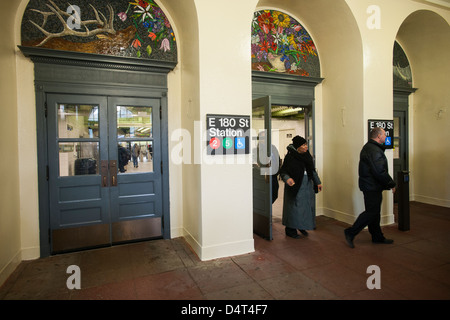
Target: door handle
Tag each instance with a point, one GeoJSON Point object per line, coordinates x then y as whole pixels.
{"type": "Point", "coordinates": [104, 172]}
{"type": "Point", "coordinates": [113, 172]}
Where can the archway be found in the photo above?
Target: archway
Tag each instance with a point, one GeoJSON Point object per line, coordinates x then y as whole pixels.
{"type": "Point", "coordinates": [119, 60]}
{"type": "Point", "coordinates": [425, 37]}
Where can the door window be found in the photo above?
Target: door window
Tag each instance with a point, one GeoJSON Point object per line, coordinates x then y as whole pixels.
{"type": "Point", "coordinates": [78, 139]}
{"type": "Point", "coordinates": [135, 139]}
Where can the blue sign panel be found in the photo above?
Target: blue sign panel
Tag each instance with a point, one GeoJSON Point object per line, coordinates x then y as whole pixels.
{"type": "Point", "coordinates": [239, 143]}
{"type": "Point", "coordinates": [388, 126]}
{"type": "Point", "coordinates": [388, 141]}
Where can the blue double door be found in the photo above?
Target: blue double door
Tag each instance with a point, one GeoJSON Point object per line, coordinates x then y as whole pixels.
{"type": "Point", "coordinates": [104, 170]}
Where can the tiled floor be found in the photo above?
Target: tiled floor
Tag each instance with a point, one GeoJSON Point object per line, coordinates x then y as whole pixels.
{"type": "Point", "coordinates": [321, 266]}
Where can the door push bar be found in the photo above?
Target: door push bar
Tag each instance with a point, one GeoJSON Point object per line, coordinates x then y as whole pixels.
{"type": "Point", "coordinates": [109, 169]}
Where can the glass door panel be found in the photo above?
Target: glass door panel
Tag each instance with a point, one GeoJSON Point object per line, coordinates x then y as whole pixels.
{"type": "Point", "coordinates": [91, 202]}
{"type": "Point", "coordinates": [77, 143]}
{"type": "Point", "coordinates": [262, 178]}
{"type": "Point", "coordinates": [135, 138]}
{"type": "Point", "coordinates": [135, 141]}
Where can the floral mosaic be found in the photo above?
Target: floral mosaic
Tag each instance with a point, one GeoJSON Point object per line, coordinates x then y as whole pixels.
{"type": "Point", "coordinates": [137, 28]}
{"type": "Point", "coordinates": [281, 44]}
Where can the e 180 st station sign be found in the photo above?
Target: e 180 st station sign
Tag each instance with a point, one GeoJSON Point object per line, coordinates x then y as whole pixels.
{"type": "Point", "coordinates": [388, 126]}
{"type": "Point", "coordinates": [227, 134]}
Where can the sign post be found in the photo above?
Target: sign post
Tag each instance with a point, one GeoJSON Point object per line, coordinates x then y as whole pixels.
{"type": "Point", "coordinates": [388, 126]}
{"type": "Point", "coordinates": [227, 134]}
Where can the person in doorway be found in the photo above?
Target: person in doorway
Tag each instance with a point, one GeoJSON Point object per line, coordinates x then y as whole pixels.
{"type": "Point", "coordinates": [301, 181]}
{"type": "Point", "coordinates": [373, 179]}
{"type": "Point", "coordinates": [135, 154]}
{"type": "Point", "coordinates": [272, 163]}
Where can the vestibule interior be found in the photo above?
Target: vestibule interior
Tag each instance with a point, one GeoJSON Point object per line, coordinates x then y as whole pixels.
{"type": "Point", "coordinates": [286, 123]}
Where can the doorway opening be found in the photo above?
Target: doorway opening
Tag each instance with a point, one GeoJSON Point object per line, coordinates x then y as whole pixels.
{"type": "Point", "coordinates": [283, 107]}
{"type": "Point", "coordinates": [90, 114]}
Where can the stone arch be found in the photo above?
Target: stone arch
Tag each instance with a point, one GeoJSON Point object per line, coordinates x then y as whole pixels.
{"type": "Point", "coordinates": [334, 29]}
{"type": "Point", "coordinates": [425, 37]}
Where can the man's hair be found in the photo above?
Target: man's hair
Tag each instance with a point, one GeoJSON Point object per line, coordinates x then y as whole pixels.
{"type": "Point", "coordinates": [375, 132]}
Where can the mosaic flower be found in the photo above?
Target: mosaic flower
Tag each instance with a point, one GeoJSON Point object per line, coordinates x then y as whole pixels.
{"type": "Point", "coordinates": [148, 16]}
{"type": "Point", "coordinates": [281, 19]}
{"type": "Point", "coordinates": [277, 36]}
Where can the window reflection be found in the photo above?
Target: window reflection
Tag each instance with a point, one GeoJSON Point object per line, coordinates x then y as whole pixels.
{"type": "Point", "coordinates": [78, 121]}
{"type": "Point", "coordinates": [135, 156]}
{"type": "Point", "coordinates": [78, 158]}
{"type": "Point", "coordinates": [134, 122]}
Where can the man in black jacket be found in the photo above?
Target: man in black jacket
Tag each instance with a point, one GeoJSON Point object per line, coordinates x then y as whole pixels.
{"type": "Point", "coordinates": [373, 179]}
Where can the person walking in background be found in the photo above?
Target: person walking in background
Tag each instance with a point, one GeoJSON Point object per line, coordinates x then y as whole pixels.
{"type": "Point", "coordinates": [373, 179]}
{"type": "Point", "coordinates": [135, 154]}
{"type": "Point", "coordinates": [301, 180]}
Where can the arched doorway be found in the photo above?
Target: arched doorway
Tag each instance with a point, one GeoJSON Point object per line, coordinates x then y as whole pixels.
{"type": "Point", "coordinates": [402, 79]}
{"type": "Point", "coordinates": [101, 101]}
{"type": "Point", "coordinates": [424, 36]}
{"type": "Point", "coordinates": [285, 72]}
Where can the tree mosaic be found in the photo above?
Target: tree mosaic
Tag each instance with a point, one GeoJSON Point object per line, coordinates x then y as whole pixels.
{"type": "Point", "coordinates": [137, 28]}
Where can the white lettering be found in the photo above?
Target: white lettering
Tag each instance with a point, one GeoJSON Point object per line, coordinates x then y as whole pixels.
{"type": "Point", "coordinates": [74, 21]}
{"type": "Point", "coordinates": [228, 132]}
{"type": "Point", "coordinates": [74, 281]}
{"type": "Point", "coordinates": [198, 310]}
{"type": "Point", "coordinates": [244, 123]}
{"type": "Point", "coordinates": [374, 20]}
{"type": "Point", "coordinates": [374, 281]}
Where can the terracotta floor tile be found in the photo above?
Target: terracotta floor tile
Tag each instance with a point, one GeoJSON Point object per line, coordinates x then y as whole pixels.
{"type": "Point", "coordinates": [318, 267]}
{"type": "Point", "coordinates": [243, 292]}
{"type": "Point", "coordinates": [218, 275]}
{"type": "Point", "coordinates": [337, 278]}
{"type": "Point", "coordinates": [296, 286]}
{"type": "Point", "coordinates": [172, 285]}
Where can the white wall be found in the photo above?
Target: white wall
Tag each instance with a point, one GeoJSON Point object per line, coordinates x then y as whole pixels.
{"type": "Point", "coordinates": [10, 219]}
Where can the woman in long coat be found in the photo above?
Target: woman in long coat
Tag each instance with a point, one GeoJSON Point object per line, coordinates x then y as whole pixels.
{"type": "Point", "coordinates": [301, 181]}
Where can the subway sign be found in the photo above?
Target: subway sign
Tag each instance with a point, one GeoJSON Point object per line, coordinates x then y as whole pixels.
{"type": "Point", "coordinates": [227, 134]}
{"type": "Point", "coordinates": [388, 126]}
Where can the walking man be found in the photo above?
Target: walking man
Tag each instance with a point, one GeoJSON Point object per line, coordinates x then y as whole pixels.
{"type": "Point", "coordinates": [373, 179]}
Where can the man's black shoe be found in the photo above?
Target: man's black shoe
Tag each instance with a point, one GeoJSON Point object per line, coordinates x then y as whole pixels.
{"type": "Point", "coordinates": [349, 239]}
{"type": "Point", "coordinates": [385, 241]}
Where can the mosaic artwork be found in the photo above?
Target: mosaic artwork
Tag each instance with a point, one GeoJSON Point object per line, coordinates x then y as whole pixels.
{"type": "Point", "coordinates": [401, 69]}
{"type": "Point", "coordinates": [137, 28]}
{"type": "Point", "coordinates": [281, 44]}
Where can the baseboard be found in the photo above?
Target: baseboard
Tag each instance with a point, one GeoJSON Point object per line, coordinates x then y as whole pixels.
{"type": "Point", "coordinates": [9, 268]}
{"type": "Point", "coordinates": [31, 253]}
{"type": "Point", "coordinates": [386, 219]}
{"type": "Point", "coordinates": [227, 249]}
{"type": "Point", "coordinates": [430, 200]}
{"type": "Point", "coordinates": [177, 232]}
{"type": "Point", "coordinates": [219, 251]}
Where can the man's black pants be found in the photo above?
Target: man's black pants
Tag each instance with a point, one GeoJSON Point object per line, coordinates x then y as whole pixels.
{"type": "Point", "coordinates": [370, 217]}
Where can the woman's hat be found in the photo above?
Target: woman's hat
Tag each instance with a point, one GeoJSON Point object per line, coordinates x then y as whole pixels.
{"type": "Point", "coordinates": [298, 141]}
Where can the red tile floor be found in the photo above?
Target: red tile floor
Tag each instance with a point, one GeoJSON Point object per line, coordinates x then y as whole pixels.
{"type": "Point", "coordinates": [320, 267]}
